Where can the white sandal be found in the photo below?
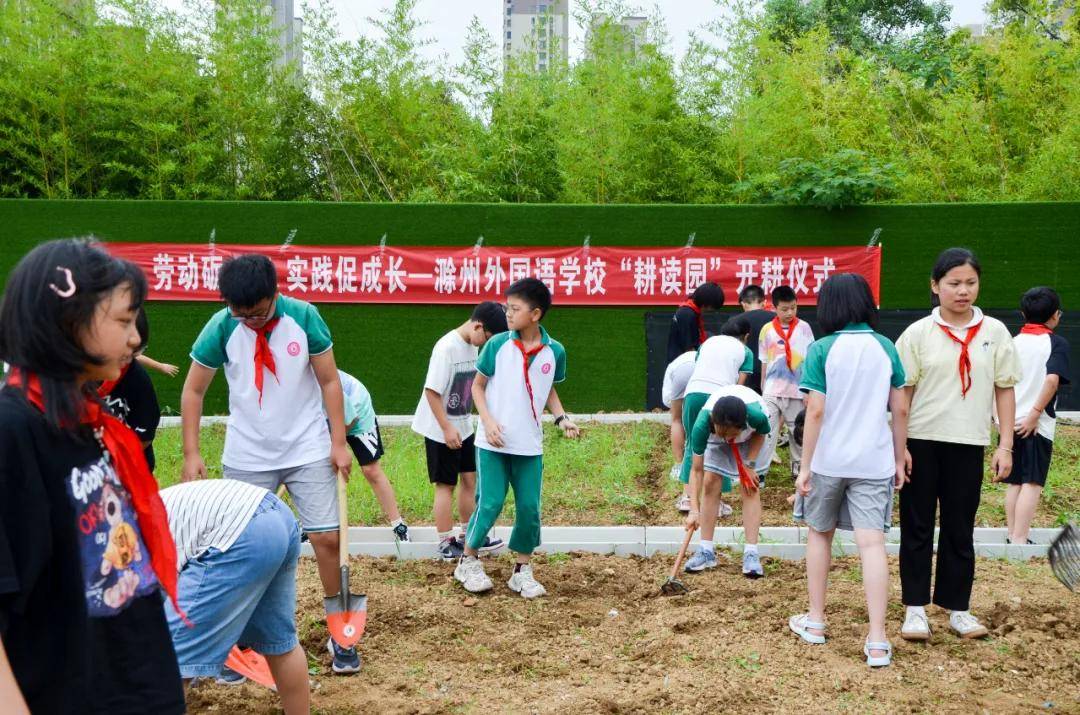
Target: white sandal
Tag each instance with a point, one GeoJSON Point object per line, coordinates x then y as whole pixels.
{"type": "Point", "coordinates": [800, 624]}
{"type": "Point", "coordinates": [878, 661]}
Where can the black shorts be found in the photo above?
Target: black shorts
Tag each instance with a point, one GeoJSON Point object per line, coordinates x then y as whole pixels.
{"type": "Point", "coordinates": [367, 446]}
{"type": "Point", "coordinates": [1031, 460]}
{"type": "Point", "coordinates": [445, 464]}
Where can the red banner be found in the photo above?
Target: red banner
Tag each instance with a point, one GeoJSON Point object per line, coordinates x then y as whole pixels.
{"type": "Point", "coordinates": [582, 275]}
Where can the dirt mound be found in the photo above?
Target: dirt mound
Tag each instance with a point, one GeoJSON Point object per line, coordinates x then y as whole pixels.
{"type": "Point", "coordinates": [603, 641]}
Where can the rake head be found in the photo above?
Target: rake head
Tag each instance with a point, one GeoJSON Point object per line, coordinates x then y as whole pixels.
{"type": "Point", "coordinates": [1064, 556]}
{"type": "Point", "coordinates": [674, 587]}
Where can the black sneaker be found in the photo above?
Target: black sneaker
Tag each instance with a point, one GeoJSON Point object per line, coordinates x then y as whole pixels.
{"type": "Point", "coordinates": [490, 545]}
{"type": "Point", "coordinates": [228, 676]}
{"type": "Point", "coordinates": [346, 660]}
{"type": "Point", "coordinates": [451, 549]}
{"type": "Point", "coordinates": [401, 531]}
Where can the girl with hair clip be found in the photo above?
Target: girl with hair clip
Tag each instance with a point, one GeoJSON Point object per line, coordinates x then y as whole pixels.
{"type": "Point", "coordinates": [959, 364]}
{"type": "Point", "coordinates": [85, 548]}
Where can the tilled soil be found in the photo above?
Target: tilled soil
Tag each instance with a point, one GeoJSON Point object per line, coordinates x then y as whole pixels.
{"type": "Point", "coordinates": [604, 641]}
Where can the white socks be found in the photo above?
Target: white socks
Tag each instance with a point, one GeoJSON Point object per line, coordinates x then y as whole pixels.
{"type": "Point", "coordinates": [445, 535]}
{"type": "Point", "coordinates": [707, 545]}
{"type": "Point", "coordinates": [397, 521]}
{"type": "Point", "coordinates": [750, 549]}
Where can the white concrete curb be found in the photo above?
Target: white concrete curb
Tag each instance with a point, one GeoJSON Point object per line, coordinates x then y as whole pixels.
{"type": "Point", "coordinates": [610, 418]}
{"type": "Point", "coordinates": [785, 542]}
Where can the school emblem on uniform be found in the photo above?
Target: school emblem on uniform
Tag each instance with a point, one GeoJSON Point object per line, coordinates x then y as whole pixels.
{"type": "Point", "coordinates": [293, 348]}
{"type": "Point", "coordinates": [545, 368]}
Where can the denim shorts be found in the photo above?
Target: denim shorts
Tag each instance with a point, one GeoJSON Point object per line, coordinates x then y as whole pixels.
{"type": "Point", "coordinates": [245, 595]}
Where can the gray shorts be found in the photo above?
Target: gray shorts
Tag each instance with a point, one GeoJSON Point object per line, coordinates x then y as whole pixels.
{"type": "Point", "coordinates": [312, 487]}
{"type": "Point", "coordinates": [719, 459]}
{"type": "Point", "coordinates": [848, 504]}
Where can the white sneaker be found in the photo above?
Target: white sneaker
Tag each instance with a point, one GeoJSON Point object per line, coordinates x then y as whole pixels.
{"type": "Point", "coordinates": [683, 503]}
{"type": "Point", "coordinates": [725, 510]}
{"type": "Point", "coordinates": [967, 625]}
{"type": "Point", "coordinates": [470, 572]}
{"type": "Point", "coordinates": [916, 627]}
{"type": "Point", "coordinates": [523, 582]}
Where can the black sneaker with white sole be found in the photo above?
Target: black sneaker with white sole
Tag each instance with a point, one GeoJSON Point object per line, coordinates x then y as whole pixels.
{"type": "Point", "coordinates": [228, 676]}
{"type": "Point", "coordinates": [401, 532]}
{"type": "Point", "coordinates": [346, 660]}
{"type": "Point", "coordinates": [490, 545]}
{"type": "Point", "coordinates": [451, 549]}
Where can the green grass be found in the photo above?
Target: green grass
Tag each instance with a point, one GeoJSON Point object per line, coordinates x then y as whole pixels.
{"type": "Point", "coordinates": [614, 474]}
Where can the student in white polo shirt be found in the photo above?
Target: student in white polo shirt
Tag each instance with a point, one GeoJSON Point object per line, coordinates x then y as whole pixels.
{"type": "Point", "coordinates": [728, 442]}
{"type": "Point", "coordinates": [722, 360]}
{"type": "Point", "coordinates": [515, 380]}
{"type": "Point", "coordinates": [676, 377]}
{"type": "Point", "coordinates": [853, 458]}
{"type": "Point", "coordinates": [279, 363]}
{"type": "Point", "coordinates": [959, 364]}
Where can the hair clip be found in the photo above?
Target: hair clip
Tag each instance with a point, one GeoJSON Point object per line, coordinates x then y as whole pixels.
{"type": "Point", "coordinates": [70, 289]}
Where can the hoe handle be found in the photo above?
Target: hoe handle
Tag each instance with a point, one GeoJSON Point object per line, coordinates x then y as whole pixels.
{"type": "Point", "coordinates": [682, 553]}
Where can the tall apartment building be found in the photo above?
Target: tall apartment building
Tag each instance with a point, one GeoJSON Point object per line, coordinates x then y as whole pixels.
{"type": "Point", "coordinates": [634, 28]}
{"type": "Point", "coordinates": [536, 29]}
{"type": "Point", "coordinates": [290, 31]}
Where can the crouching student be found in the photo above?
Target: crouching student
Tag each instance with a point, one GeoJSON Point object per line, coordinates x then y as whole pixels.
{"type": "Point", "coordinates": [853, 458]}
{"type": "Point", "coordinates": [728, 442]}
{"type": "Point", "coordinates": [236, 548]}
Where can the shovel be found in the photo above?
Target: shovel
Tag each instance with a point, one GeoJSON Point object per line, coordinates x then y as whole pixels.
{"type": "Point", "coordinates": [673, 586]}
{"type": "Point", "coordinates": [346, 613]}
{"type": "Point", "coordinates": [251, 665]}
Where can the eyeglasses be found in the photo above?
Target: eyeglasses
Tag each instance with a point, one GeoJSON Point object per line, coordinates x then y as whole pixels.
{"type": "Point", "coordinates": [255, 318]}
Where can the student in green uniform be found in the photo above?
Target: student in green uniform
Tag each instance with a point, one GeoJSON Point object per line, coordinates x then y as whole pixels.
{"type": "Point", "coordinates": [728, 442]}
{"type": "Point", "coordinates": [515, 380]}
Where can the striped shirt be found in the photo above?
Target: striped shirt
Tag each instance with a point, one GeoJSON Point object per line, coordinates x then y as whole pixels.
{"type": "Point", "coordinates": [209, 513]}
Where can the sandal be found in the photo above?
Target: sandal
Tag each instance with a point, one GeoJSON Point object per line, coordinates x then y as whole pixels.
{"type": "Point", "coordinates": [800, 626]}
{"type": "Point", "coordinates": [878, 661]}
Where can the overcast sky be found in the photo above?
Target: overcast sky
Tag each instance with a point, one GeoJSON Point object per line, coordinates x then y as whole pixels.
{"type": "Point", "coordinates": [447, 20]}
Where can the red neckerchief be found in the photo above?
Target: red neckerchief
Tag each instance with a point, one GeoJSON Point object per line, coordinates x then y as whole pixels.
{"type": "Point", "coordinates": [105, 389]}
{"type": "Point", "coordinates": [1035, 329]}
{"type": "Point", "coordinates": [744, 474]}
{"type": "Point", "coordinates": [779, 328]}
{"type": "Point", "coordinates": [525, 355]}
{"type": "Point", "coordinates": [965, 358]}
{"type": "Point", "coordinates": [264, 357]}
{"type": "Point", "coordinates": [126, 453]}
{"type": "Point", "coordinates": [689, 303]}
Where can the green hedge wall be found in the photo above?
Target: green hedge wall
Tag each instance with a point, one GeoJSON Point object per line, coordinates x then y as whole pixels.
{"type": "Point", "coordinates": [1020, 244]}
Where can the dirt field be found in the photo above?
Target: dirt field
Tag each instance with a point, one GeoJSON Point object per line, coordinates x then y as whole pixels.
{"type": "Point", "coordinates": [603, 641]}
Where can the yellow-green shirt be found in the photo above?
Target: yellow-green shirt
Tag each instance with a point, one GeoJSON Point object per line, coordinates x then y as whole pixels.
{"type": "Point", "coordinates": [931, 363]}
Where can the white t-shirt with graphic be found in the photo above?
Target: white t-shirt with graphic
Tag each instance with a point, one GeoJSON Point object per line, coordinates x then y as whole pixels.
{"type": "Point", "coordinates": [451, 372]}
{"type": "Point", "coordinates": [289, 428]}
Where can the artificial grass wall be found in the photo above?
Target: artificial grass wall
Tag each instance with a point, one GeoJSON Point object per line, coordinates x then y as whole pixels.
{"type": "Point", "coordinates": [1020, 244]}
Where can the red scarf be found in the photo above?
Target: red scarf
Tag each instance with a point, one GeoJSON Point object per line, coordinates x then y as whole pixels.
{"type": "Point", "coordinates": [745, 478]}
{"type": "Point", "coordinates": [689, 303]}
{"type": "Point", "coordinates": [1035, 329]}
{"type": "Point", "coordinates": [779, 328]}
{"type": "Point", "coordinates": [263, 355]}
{"type": "Point", "coordinates": [965, 357]}
{"type": "Point", "coordinates": [105, 389]}
{"type": "Point", "coordinates": [525, 355]}
{"type": "Point", "coordinates": [126, 454]}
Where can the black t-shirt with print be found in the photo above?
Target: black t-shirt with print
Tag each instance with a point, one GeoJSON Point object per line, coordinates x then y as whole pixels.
{"type": "Point", "coordinates": [81, 616]}
{"type": "Point", "coordinates": [134, 401]}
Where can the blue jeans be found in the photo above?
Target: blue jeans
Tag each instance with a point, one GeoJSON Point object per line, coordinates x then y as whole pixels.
{"type": "Point", "coordinates": [245, 595]}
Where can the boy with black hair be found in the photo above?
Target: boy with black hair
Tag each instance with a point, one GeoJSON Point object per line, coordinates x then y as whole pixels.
{"type": "Point", "coordinates": [752, 300]}
{"type": "Point", "coordinates": [782, 347]}
{"type": "Point", "coordinates": [688, 324]}
{"type": "Point", "coordinates": [1044, 357]}
{"type": "Point", "coordinates": [132, 398]}
{"type": "Point", "coordinates": [279, 364]}
{"type": "Point", "coordinates": [444, 418]}
{"type": "Point", "coordinates": [515, 381]}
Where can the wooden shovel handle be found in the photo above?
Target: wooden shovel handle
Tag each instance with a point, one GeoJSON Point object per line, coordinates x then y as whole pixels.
{"type": "Point", "coordinates": [343, 521]}
{"type": "Point", "coordinates": [682, 552]}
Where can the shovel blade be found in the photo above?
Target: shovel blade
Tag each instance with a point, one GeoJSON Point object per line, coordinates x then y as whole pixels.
{"type": "Point", "coordinates": [251, 665]}
{"type": "Point", "coordinates": [346, 618]}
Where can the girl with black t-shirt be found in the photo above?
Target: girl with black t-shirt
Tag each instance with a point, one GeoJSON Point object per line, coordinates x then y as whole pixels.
{"type": "Point", "coordinates": [85, 548]}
